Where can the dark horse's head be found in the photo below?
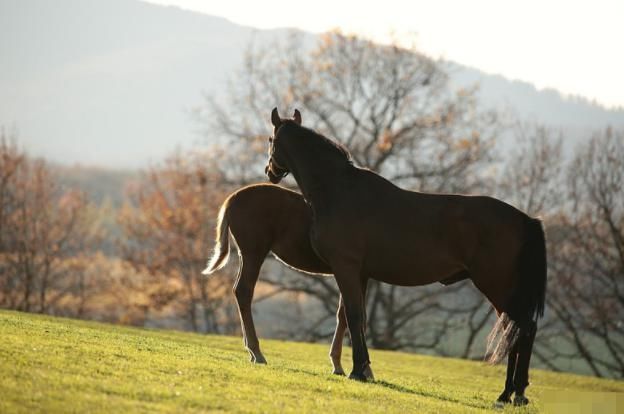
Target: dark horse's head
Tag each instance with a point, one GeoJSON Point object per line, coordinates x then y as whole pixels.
{"type": "Point", "coordinates": [276, 168]}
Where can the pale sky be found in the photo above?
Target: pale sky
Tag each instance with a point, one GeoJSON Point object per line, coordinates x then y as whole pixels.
{"type": "Point", "coordinates": [574, 46]}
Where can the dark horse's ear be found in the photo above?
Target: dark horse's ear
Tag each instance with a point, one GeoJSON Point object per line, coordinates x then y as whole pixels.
{"type": "Point", "coordinates": [297, 117]}
{"type": "Point", "coordinates": [275, 118]}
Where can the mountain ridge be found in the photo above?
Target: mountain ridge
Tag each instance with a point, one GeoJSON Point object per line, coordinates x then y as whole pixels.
{"type": "Point", "coordinates": [111, 83]}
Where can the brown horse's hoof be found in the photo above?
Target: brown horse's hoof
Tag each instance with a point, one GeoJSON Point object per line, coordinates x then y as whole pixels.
{"type": "Point", "coordinates": [357, 377]}
{"type": "Point", "coordinates": [339, 371]}
{"type": "Point", "coordinates": [520, 400]}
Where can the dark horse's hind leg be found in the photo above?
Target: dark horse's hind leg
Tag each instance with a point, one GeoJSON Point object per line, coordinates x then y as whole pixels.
{"type": "Point", "coordinates": [505, 397]}
{"type": "Point", "coordinates": [518, 367]}
{"type": "Point", "coordinates": [521, 375]}
{"type": "Point", "coordinates": [244, 290]}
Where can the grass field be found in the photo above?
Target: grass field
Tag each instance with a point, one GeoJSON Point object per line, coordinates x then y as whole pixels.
{"type": "Point", "coordinates": [60, 365]}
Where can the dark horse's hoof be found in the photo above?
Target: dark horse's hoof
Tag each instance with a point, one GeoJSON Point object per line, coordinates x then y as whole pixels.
{"type": "Point", "coordinates": [500, 404]}
{"type": "Point", "coordinates": [339, 371]}
{"type": "Point", "coordinates": [503, 400]}
{"type": "Point", "coordinates": [357, 377]}
{"type": "Point", "coordinates": [368, 373]}
{"type": "Point", "coordinates": [520, 400]}
{"type": "Point", "coordinates": [258, 359]}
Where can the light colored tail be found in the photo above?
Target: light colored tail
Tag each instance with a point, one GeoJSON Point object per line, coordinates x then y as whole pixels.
{"type": "Point", "coordinates": [528, 299]}
{"type": "Point", "coordinates": [502, 338]}
{"type": "Point", "coordinates": [221, 252]}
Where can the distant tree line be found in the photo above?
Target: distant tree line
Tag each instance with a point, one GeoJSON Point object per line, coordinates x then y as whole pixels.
{"type": "Point", "coordinates": [45, 235]}
{"type": "Point", "coordinates": [395, 111]}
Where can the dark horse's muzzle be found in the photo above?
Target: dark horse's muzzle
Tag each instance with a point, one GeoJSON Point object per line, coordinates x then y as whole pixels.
{"type": "Point", "coordinates": [275, 172]}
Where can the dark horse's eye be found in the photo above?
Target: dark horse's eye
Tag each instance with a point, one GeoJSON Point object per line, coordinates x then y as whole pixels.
{"type": "Point", "coordinates": [270, 139]}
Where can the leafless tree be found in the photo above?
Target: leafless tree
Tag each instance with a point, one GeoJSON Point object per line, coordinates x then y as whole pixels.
{"type": "Point", "coordinates": [168, 233]}
{"type": "Point", "coordinates": [586, 286]}
{"type": "Point", "coordinates": [392, 107]}
{"type": "Point", "coordinates": [532, 175]}
{"type": "Point", "coordinates": [46, 233]}
{"type": "Point", "coordinates": [395, 111]}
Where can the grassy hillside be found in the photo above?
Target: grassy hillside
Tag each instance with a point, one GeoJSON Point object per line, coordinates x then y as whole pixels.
{"type": "Point", "coordinates": [60, 365]}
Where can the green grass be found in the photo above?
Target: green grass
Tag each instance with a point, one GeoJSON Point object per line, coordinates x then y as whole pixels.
{"type": "Point", "coordinates": [59, 365]}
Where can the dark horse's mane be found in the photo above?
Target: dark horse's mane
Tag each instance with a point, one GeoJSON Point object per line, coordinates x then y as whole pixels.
{"type": "Point", "coordinates": [316, 140]}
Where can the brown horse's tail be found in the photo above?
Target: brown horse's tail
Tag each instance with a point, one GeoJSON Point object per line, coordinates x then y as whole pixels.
{"type": "Point", "coordinates": [221, 252]}
{"type": "Point", "coordinates": [527, 300]}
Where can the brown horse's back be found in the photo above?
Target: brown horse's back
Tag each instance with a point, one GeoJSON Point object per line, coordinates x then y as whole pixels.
{"type": "Point", "coordinates": [264, 217]}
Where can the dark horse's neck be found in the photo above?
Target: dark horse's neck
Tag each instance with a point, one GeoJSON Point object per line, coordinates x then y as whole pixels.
{"type": "Point", "coordinates": [316, 163]}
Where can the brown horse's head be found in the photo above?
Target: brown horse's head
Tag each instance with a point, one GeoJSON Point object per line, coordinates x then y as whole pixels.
{"type": "Point", "coordinates": [276, 168]}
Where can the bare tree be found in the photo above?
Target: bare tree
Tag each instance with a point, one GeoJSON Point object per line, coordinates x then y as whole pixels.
{"type": "Point", "coordinates": [587, 262]}
{"type": "Point", "coordinates": [46, 233]}
{"type": "Point", "coordinates": [532, 177]}
{"type": "Point", "coordinates": [10, 161]}
{"type": "Point", "coordinates": [395, 111]}
{"type": "Point", "coordinates": [168, 233]}
{"type": "Point", "coordinates": [391, 106]}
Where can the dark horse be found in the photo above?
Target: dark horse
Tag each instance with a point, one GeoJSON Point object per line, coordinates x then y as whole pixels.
{"type": "Point", "coordinates": [364, 227]}
{"type": "Point", "coordinates": [265, 218]}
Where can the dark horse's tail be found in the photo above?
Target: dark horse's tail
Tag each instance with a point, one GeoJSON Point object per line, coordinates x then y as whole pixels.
{"type": "Point", "coordinates": [221, 252]}
{"type": "Point", "coordinates": [527, 300]}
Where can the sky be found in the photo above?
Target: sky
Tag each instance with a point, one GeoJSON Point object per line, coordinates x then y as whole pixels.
{"type": "Point", "coordinates": [573, 46]}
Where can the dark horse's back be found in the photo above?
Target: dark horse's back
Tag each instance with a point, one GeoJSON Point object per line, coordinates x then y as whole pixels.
{"type": "Point", "coordinates": [272, 218]}
{"type": "Point", "coordinates": [441, 237]}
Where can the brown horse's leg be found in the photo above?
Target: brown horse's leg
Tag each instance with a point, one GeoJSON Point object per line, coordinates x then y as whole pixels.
{"type": "Point", "coordinates": [368, 371]}
{"type": "Point", "coordinates": [351, 289]}
{"type": "Point", "coordinates": [243, 290]}
{"type": "Point", "coordinates": [521, 375]}
{"type": "Point", "coordinates": [335, 351]}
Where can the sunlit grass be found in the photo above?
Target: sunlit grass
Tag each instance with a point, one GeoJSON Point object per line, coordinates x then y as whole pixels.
{"type": "Point", "coordinates": [60, 365]}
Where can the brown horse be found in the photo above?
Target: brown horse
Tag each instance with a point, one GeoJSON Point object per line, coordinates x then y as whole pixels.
{"type": "Point", "coordinates": [365, 227]}
{"type": "Point", "coordinates": [265, 218]}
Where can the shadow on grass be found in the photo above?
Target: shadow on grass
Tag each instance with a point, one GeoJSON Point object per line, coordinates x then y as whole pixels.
{"type": "Point", "coordinates": [325, 375]}
{"type": "Point", "coordinates": [422, 393]}
{"type": "Point", "coordinates": [388, 385]}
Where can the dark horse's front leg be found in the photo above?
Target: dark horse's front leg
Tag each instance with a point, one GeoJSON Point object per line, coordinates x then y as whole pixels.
{"type": "Point", "coordinates": [335, 352]}
{"type": "Point", "coordinates": [352, 291]}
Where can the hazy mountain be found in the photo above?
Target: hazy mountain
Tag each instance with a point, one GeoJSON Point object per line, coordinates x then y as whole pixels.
{"type": "Point", "coordinates": [103, 186]}
{"type": "Point", "coordinates": [110, 82]}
